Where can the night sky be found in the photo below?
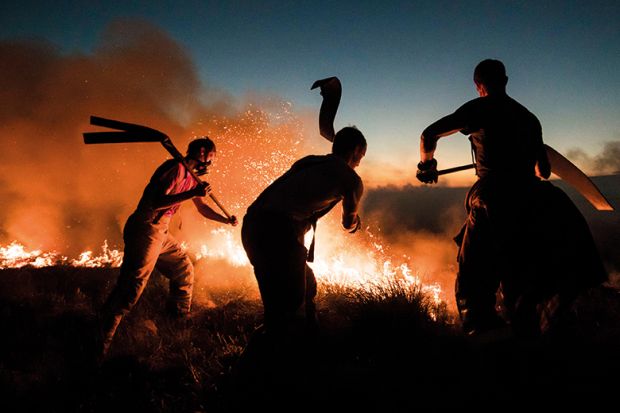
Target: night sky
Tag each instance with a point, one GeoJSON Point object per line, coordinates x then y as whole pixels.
{"type": "Point", "coordinates": [402, 64]}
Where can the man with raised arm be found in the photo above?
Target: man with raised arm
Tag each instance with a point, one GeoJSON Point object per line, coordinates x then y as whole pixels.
{"type": "Point", "coordinates": [521, 232]}
{"type": "Point", "coordinates": [276, 222]}
{"type": "Point", "coordinates": [149, 245]}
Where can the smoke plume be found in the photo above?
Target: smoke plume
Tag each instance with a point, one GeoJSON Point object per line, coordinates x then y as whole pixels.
{"type": "Point", "coordinates": [605, 162]}
{"type": "Point", "coordinates": [59, 194]}
{"type": "Point", "coordinates": [419, 223]}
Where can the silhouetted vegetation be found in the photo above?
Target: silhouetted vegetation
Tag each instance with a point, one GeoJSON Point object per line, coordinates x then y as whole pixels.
{"type": "Point", "coordinates": [387, 349]}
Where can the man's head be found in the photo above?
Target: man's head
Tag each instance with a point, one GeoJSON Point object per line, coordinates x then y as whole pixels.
{"type": "Point", "coordinates": [350, 144]}
{"type": "Point", "coordinates": [201, 152]}
{"type": "Point", "coordinates": [490, 77]}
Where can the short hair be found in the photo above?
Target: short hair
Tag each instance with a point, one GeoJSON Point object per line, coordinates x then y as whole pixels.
{"type": "Point", "coordinates": [346, 140]}
{"type": "Point", "coordinates": [198, 143]}
{"type": "Point", "coordinates": [491, 73]}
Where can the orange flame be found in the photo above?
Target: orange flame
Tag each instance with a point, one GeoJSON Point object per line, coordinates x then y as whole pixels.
{"type": "Point", "coordinates": [15, 255]}
{"type": "Point", "coordinates": [360, 261]}
{"type": "Point", "coordinates": [353, 266]}
{"type": "Point", "coordinates": [108, 258]}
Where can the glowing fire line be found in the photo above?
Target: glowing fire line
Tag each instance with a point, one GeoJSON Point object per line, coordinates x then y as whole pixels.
{"type": "Point", "coordinates": [15, 255]}
{"type": "Point", "coordinates": [367, 269]}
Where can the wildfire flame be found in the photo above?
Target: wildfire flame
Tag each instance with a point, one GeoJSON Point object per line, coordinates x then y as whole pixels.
{"type": "Point", "coordinates": [226, 249]}
{"type": "Point", "coordinates": [366, 264]}
{"type": "Point", "coordinates": [365, 268]}
{"type": "Point", "coordinates": [108, 258]}
{"type": "Point", "coordinates": [15, 255]}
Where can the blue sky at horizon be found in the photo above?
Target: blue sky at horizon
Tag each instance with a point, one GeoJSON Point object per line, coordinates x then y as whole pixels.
{"type": "Point", "coordinates": [402, 64]}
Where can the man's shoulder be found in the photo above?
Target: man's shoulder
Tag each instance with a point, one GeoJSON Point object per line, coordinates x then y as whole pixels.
{"type": "Point", "coordinates": [329, 165]}
{"type": "Point", "coordinates": [327, 161]}
{"type": "Point", "coordinates": [350, 177]}
{"type": "Point", "coordinates": [472, 105]}
{"type": "Point", "coordinates": [312, 159]}
{"type": "Point", "coordinates": [524, 110]}
{"type": "Point", "coordinates": [169, 169]}
{"type": "Point", "coordinates": [169, 164]}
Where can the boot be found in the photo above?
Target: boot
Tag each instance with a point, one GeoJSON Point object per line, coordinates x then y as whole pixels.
{"type": "Point", "coordinates": [107, 328]}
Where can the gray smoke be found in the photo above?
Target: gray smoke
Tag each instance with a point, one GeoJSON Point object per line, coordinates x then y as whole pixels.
{"type": "Point", "coordinates": [605, 162]}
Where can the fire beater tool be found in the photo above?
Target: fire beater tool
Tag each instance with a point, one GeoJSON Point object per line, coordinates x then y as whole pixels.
{"type": "Point", "coordinates": [456, 169]}
{"type": "Point", "coordinates": [331, 90]}
{"type": "Point", "coordinates": [567, 171]}
{"type": "Point", "coordinates": [129, 132]}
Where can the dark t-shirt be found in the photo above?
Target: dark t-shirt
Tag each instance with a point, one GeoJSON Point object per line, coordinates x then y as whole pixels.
{"type": "Point", "coordinates": [312, 186]}
{"type": "Point", "coordinates": [507, 138]}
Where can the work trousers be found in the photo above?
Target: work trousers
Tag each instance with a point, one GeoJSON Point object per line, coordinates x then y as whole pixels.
{"type": "Point", "coordinates": [150, 246]}
{"type": "Point", "coordinates": [274, 245]}
{"type": "Point", "coordinates": [528, 237]}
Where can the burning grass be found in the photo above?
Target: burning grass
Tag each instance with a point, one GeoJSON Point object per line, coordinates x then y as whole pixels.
{"type": "Point", "coordinates": [387, 348]}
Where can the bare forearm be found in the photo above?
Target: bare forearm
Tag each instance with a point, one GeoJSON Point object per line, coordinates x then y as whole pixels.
{"type": "Point", "coordinates": [349, 220]}
{"type": "Point", "coordinates": [209, 213]}
{"type": "Point", "coordinates": [350, 205]}
{"type": "Point", "coordinates": [331, 90]}
{"type": "Point", "coordinates": [326, 119]}
{"type": "Point", "coordinates": [427, 148]}
{"type": "Point", "coordinates": [443, 127]}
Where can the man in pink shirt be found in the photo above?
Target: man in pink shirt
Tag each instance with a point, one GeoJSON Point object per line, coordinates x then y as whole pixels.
{"type": "Point", "coordinates": [149, 245]}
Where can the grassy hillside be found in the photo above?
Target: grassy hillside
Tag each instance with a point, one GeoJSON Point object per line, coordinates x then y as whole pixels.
{"type": "Point", "coordinates": [386, 350]}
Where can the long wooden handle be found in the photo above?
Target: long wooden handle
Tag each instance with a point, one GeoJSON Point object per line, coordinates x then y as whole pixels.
{"type": "Point", "coordinates": [456, 169]}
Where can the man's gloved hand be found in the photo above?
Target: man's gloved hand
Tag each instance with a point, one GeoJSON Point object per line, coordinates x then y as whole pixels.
{"type": "Point", "coordinates": [427, 172]}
